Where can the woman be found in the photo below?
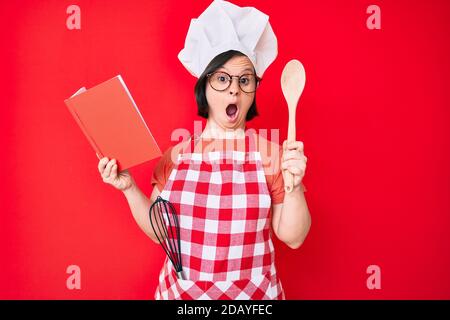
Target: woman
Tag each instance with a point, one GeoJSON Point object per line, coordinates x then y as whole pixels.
{"type": "Point", "coordinates": [228, 208]}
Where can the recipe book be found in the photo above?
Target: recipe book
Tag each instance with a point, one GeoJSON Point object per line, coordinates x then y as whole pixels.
{"type": "Point", "coordinates": [112, 123]}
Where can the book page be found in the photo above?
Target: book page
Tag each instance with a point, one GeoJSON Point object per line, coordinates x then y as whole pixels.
{"type": "Point", "coordinates": [81, 90]}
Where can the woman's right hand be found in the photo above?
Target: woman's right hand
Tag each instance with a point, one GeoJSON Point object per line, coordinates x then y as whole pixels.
{"type": "Point", "coordinates": [108, 171]}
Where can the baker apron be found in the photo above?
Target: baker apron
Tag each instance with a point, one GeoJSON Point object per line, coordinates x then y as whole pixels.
{"type": "Point", "coordinates": [223, 204]}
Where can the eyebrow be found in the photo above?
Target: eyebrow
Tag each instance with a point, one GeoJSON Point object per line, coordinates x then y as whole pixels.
{"type": "Point", "coordinates": [246, 69]}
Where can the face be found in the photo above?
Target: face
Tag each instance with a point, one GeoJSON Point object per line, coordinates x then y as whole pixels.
{"type": "Point", "coordinates": [228, 108]}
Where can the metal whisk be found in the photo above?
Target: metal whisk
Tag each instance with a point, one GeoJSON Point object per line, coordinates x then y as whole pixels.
{"type": "Point", "coordinates": [165, 224]}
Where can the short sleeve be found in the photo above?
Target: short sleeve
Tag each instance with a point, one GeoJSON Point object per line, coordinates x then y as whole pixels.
{"type": "Point", "coordinates": [162, 170]}
{"type": "Point", "coordinates": [276, 188]}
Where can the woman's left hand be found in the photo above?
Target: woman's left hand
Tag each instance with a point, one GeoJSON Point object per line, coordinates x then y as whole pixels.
{"type": "Point", "coordinates": [294, 161]}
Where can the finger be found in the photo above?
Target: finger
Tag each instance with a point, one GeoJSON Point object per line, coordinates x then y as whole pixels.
{"type": "Point", "coordinates": [113, 172]}
{"type": "Point", "coordinates": [292, 154]}
{"type": "Point", "coordinates": [296, 171]}
{"type": "Point", "coordinates": [123, 172]}
{"type": "Point", "coordinates": [284, 144]}
{"type": "Point", "coordinates": [285, 165]}
{"type": "Point", "coordinates": [292, 145]}
{"type": "Point", "coordinates": [293, 163]}
{"type": "Point", "coordinates": [107, 171]}
{"type": "Point", "coordinates": [101, 164]}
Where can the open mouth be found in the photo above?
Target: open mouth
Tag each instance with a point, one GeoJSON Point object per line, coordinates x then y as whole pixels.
{"type": "Point", "coordinates": [232, 112]}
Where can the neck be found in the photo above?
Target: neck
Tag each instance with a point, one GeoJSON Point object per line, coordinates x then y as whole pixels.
{"type": "Point", "coordinates": [215, 131]}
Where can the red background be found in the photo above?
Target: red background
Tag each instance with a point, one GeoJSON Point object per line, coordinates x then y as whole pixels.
{"type": "Point", "coordinates": [373, 117]}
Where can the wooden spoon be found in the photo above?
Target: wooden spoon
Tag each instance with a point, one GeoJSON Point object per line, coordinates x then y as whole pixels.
{"type": "Point", "coordinates": [292, 83]}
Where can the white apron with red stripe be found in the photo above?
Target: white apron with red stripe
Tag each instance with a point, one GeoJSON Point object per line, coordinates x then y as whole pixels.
{"type": "Point", "coordinates": [223, 204]}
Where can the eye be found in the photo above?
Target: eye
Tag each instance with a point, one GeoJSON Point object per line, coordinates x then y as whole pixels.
{"type": "Point", "coordinates": [222, 78]}
{"type": "Point", "coordinates": [244, 80]}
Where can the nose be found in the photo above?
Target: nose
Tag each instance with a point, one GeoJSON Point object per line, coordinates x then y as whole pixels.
{"type": "Point", "coordinates": [234, 87]}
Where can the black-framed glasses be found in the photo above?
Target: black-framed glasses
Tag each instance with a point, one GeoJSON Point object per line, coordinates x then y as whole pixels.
{"type": "Point", "coordinates": [221, 81]}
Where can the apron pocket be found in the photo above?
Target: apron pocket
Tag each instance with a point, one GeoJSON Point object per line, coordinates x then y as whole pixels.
{"type": "Point", "coordinates": [256, 288]}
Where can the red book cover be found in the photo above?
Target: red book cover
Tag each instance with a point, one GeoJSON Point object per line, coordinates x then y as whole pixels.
{"type": "Point", "coordinates": [112, 123]}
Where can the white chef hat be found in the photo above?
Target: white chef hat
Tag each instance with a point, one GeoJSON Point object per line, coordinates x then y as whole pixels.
{"type": "Point", "coordinates": [224, 26]}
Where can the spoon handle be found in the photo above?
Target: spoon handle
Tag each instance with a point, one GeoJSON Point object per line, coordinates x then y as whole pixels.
{"type": "Point", "coordinates": [289, 183]}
